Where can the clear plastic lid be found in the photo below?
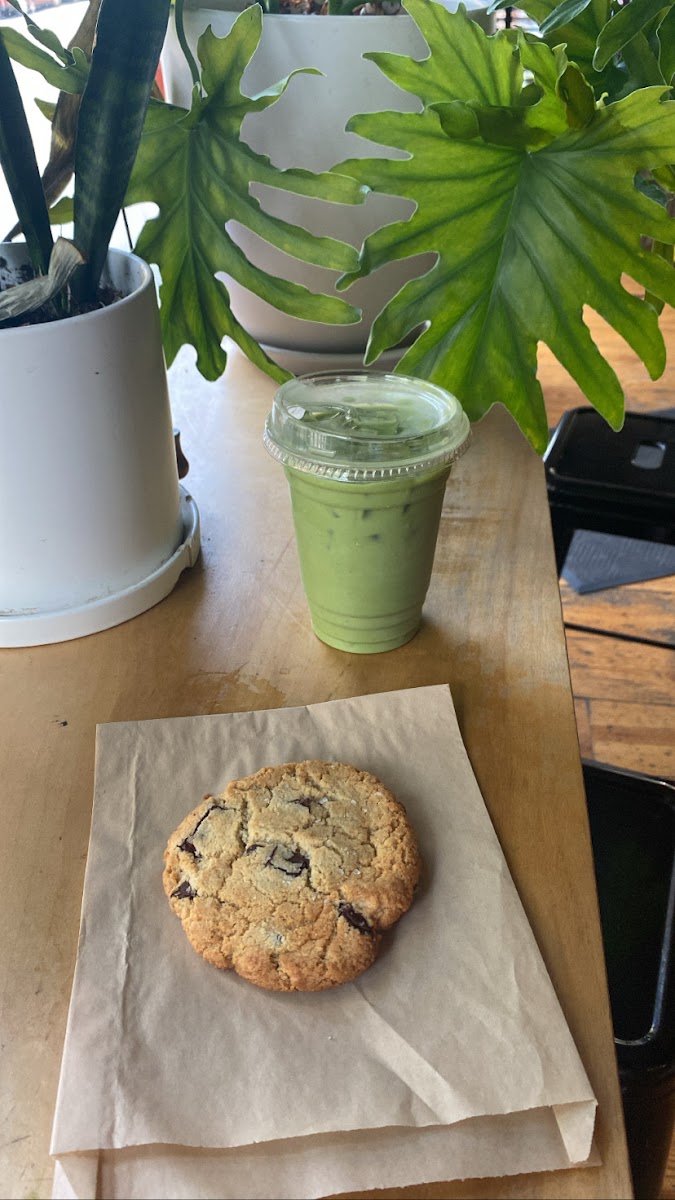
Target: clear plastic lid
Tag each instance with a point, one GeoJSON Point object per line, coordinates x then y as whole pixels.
{"type": "Point", "coordinates": [363, 425]}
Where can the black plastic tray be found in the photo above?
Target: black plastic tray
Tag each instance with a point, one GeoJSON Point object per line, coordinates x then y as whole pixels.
{"type": "Point", "coordinates": [586, 457]}
{"type": "Point", "coordinates": [632, 820]}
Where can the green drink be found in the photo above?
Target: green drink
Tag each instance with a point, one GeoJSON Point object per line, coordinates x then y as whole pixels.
{"type": "Point", "coordinates": [367, 457]}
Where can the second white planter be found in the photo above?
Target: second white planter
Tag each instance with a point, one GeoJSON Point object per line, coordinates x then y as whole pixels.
{"type": "Point", "coordinates": [306, 128]}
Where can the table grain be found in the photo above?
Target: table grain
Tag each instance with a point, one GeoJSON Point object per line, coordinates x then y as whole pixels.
{"type": "Point", "coordinates": [234, 635]}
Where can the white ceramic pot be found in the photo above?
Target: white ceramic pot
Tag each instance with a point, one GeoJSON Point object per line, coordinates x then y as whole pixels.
{"type": "Point", "coordinates": [306, 128]}
{"type": "Point", "coordinates": [94, 527]}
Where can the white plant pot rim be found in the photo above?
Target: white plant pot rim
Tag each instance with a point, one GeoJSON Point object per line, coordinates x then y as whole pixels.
{"type": "Point", "coordinates": [44, 628]}
{"type": "Point", "coordinates": [96, 314]}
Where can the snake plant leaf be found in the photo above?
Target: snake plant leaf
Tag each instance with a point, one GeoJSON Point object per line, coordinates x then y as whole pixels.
{"type": "Point", "coordinates": [194, 166]}
{"type": "Point", "coordinates": [19, 166]}
{"type": "Point", "coordinates": [63, 116]}
{"type": "Point", "coordinates": [524, 239]}
{"type": "Point", "coordinates": [129, 39]}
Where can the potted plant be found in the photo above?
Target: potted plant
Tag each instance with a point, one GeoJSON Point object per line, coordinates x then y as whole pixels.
{"type": "Point", "coordinates": [306, 129]}
{"type": "Point", "coordinates": [95, 528]}
{"type": "Point", "coordinates": [534, 191]}
{"type": "Point", "coordinates": [538, 168]}
{"type": "Point", "coordinates": [542, 184]}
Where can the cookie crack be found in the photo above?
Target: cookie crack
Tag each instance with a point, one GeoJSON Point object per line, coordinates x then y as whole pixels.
{"type": "Point", "coordinates": [244, 823]}
{"type": "Point", "coordinates": [188, 845]}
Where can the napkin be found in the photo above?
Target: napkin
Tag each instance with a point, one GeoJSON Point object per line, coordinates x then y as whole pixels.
{"type": "Point", "coordinates": [450, 1057]}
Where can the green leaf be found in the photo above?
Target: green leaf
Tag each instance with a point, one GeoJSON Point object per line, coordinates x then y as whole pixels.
{"type": "Point", "coordinates": [474, 70]}
{"type": "Point", "coordinates": [642, 62]}
{"type": "Point", "coordinates": [579, 37]}
{"type": "Point", "coordinates": [70, 78]}
{"type": "Point", "coordinates": [458, 120]}
{"type": "Point", "coordinates": [45, 37]}
{"type": "Point", "coordinates": [547, 70]}
{"type": "Point", "coordinates": [61, 213]}
{"type": "Point", "coordinates": [523, 241]}
{"type": "Point", "coordinates": [629, 21]}
{"type": "Point", "coordinates": [666, 253]}
{"type": "Point", "coordinates": [124, 60]}
{"type": "Point", "coordinates": [46, 107]}
{"type": "Point", "coordinates": [197, 170]}
{"type": "Point", "coordinates": [577, 95]}
{"type": "Point", "coordinates": [567, 11]}
{"type": "Point", "coordinates": [19, 166]}
{"type": "Point", "coordinates": [533, 122]}
{"type": "Point", "coordinates": [666, 38]}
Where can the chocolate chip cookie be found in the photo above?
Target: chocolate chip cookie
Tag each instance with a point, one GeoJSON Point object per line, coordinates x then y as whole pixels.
{"type": "Point", "coordinates": [291, 875]}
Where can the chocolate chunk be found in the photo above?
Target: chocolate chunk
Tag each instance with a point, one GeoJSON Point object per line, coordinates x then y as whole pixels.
{"type": "Point", "coordinates": [296, 861]}
{"type": "Point", "coordinates": [354, 918]}
{"type": "Point", "coordinates": [305, 801]}
{"type": "Point", "coordinates": [189, 848]}
{"type": "Point", "coordinates": [252, 847]}
{"type": "Point", "coordinates": [184, 891]}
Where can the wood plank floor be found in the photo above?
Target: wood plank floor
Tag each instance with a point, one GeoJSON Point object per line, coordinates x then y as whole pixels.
{"type": "Point", "coordinates": [625, 689]}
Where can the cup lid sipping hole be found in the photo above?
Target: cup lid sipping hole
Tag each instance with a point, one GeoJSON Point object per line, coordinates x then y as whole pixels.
{"type": "Point", "coordinates": [363, 425]}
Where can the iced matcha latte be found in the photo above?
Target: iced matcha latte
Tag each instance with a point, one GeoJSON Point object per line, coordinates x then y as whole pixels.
{"type": "Point", "coordinates": [367, 457]}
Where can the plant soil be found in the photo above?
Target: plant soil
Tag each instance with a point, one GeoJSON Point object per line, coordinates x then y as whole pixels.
{"type": "Point", "coordinates": [9, 276]}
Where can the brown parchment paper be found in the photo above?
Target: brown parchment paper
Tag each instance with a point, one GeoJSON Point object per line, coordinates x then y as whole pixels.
{"type": "Point", "coordinates": [450, 1057]}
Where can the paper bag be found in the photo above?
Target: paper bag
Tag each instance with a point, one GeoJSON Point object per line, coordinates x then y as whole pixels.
{"type": "Point", "coordinates": [449, 1057]}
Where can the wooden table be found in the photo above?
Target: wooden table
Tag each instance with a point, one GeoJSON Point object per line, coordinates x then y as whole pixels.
{"type": "Point", "coordinates": [235, 635]}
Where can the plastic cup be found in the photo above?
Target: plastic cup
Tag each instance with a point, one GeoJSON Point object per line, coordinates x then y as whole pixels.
{"type": "Point", "coordinates": [367, 456]}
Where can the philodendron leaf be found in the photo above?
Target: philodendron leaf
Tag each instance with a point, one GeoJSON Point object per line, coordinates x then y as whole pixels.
{"type": "Point", "coordinates": [577, 94]}
{"type": "Point", "coordinates": [46, 37]}
{"type": "Point", "coordinates": [524, 237]}
{"type": "Point", "coordinates": [642, 62]}
{"type": "Point", "coordinates": [627, 23]}
{"type": "Point", "coordinates": [197, 170]}
{"type": "Point", "coordinates": [565, 12]}
{"type": "Point", "coordinates": [579, 37]}
{"type": "Point", "coordinates": [666, 39]}
{"type": "Point", "coordinates": [68, 78]}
